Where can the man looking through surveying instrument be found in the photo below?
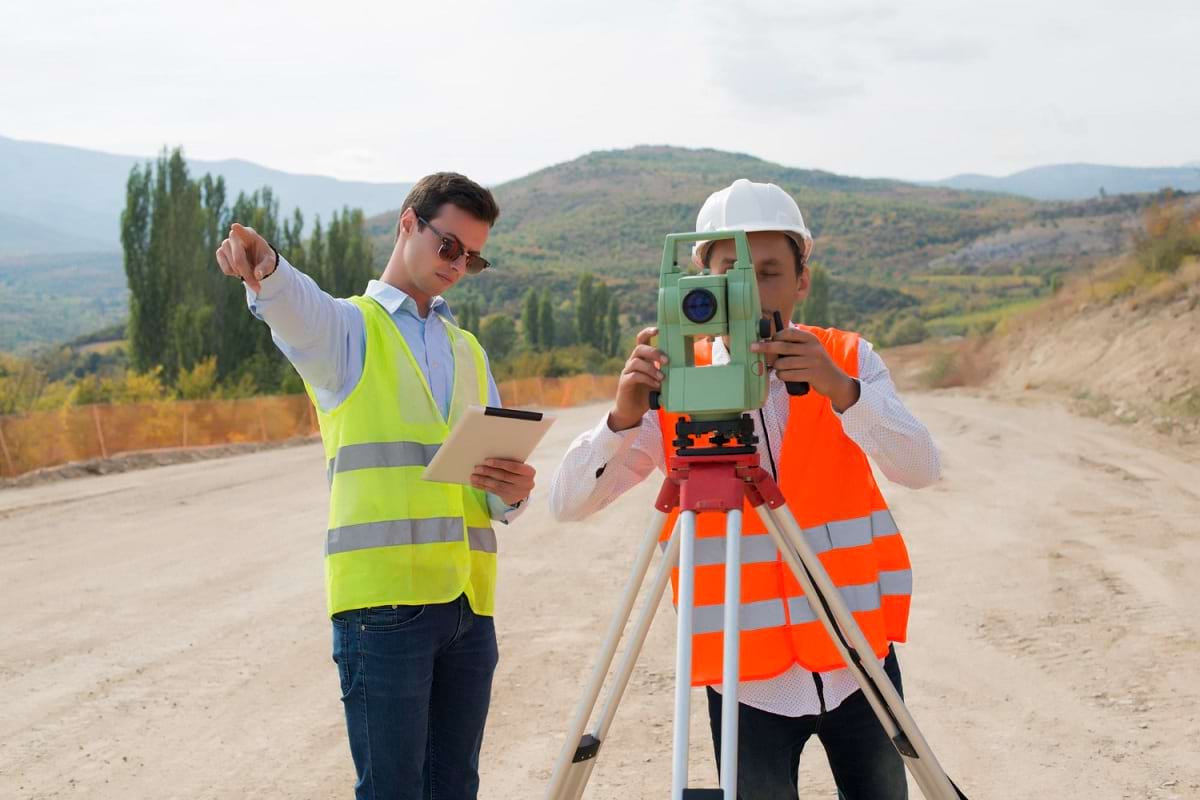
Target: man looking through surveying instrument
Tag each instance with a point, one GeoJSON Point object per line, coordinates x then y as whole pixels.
{"type": "Point", "coordinates": [410, 565]}
{"type": "Point", "coordinates": [793, 684]}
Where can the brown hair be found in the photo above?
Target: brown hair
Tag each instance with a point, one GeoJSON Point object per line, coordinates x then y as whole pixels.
{"type": "Point", "coordinates": [429, 194]}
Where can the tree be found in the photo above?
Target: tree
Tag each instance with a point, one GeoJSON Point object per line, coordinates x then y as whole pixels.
{"type": "Point", "coordinates": [530, 321]}
{"type": "Point", "coordinates": [598, 312]}
{"type": "Point", "coordinates": [21, 384]}
{"type": "Point", "coordinates": [546, 320]}
{"type": "Point", "coordinates": [348, 265]}
{"type": "Point", "coordinates": [145, 301]}
{"type": "Point", "coordinates": [816, 309]}
{"type": "Point", "coordinates": [584, 310]}
{"type": "Point", "coordinates": [612, 336]}
{"type": "Point", "coordinates": [498, 334]}
{"type": "Point", "coordinates": [293, 241]}
{"type": "Point", "coordinates": [239, 336]}
{"type": "Point", "coordinates": [199, 382]}
{"type": "Point", "coordinates": [166, 228]}
{"type": "Point", "coordinates": [468, 316]}
{"type": "Point", "coordinates": [315, 265]}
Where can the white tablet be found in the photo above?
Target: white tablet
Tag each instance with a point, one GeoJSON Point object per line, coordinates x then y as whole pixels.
{"type": "Point", "coordinates": [483, 433]}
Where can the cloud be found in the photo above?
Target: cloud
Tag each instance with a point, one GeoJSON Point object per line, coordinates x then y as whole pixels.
{"type": "Point", "coordinates": [959, 50]}
{"type": "Point", "coordinates": [796, 17]}
{"type": "Point", "coordinates": [773, 59]}
{"type": "Point", "coordinates": [771, 80]}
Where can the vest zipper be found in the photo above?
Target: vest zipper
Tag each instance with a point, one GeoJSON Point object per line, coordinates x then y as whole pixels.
{"type": "Point", "coordinates": [820, 684]}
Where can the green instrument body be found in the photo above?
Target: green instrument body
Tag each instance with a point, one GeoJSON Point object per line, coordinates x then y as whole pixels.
{"type": "Point", "coordinates": [684, 302]}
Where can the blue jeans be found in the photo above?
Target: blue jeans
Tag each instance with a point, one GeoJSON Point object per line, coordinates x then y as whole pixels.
{"type": "Point", "coordinates": [864, 762]}
{"type": "Point", "coordinates": [416, 684]}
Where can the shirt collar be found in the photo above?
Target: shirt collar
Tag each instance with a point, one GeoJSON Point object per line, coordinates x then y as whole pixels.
{"type": "Point", "coordinates": [394, 300]}
{"type": "Point", "coordinates": [720, 355]}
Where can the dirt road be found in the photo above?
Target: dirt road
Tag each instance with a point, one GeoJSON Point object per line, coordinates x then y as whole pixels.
{"type": "Point", "coordinates": [163, 631]}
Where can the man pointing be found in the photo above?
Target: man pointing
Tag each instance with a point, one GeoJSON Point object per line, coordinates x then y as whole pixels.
{"type": "Point", "coordinates": [410, 565]}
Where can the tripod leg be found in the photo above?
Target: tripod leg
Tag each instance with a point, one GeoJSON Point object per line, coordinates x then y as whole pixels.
{"type": "Point", "coordinates": [608, 650]}
{"type": "Point", "coordinates": [831, 610]}
{"type": "Point", "coordinates": [683, 653]}
{"type": "Point", "coordinates": [731, 653]}
{"type": "Point", "coordinates": [581, 772]}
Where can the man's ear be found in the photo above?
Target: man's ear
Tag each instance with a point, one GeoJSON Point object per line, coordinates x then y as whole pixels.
{"type": "Point", "coordinates": [408, 223]}
{"type": "Point", "coordinates": [804, 284]}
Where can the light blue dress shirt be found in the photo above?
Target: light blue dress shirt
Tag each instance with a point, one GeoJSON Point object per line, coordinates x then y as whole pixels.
{"type": "Point", "coordinates": [325, 339]}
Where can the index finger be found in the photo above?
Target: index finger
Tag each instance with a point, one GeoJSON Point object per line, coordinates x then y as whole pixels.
{"type": "Point", "coordinates": [777, 346]}
{"type": "Point", "coordinates": [239, 259]}
{"type": "Point", "coordinates": [246, 236]}
{"type": "Point", "coordinates": [646, 334]}
{"type": "Point", "coordinates": [794, 335]}
{"type": "Point", "coordinates": [648, 352]}
{"type": "Point", "coordinates": [508, 465]}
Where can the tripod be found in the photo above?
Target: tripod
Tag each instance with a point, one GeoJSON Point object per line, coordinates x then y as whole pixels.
{"type": "Point", "coordinates": [718, 478]}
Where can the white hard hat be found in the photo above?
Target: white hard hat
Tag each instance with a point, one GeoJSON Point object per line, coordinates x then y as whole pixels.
{"type": "Point", "coordinates": [748, 206]}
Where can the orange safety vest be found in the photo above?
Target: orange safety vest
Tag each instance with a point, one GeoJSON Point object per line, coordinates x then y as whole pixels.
{"type": "Point", "coordinates": [831, 491]}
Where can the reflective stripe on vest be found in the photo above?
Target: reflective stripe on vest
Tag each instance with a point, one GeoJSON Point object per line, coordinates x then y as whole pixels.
{"type": "Point", "coordinates": [372, 455]}
{"type": "Point", "coordinates": [759, 548]}
{"type": "Point", "coordinates": [769, 613]}
{"type": "Point", "coordinates": [407, 531]}
{"type": "Point", "coordinates": [861, 597]}
{"type": "Point", "coordinates": [851, 532]}
{"type": "Point", "coordinates": [751, 616]}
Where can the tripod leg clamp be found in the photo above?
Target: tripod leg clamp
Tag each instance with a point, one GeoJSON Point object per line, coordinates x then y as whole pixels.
{"type": "Point", "coordinates": [589, 746]}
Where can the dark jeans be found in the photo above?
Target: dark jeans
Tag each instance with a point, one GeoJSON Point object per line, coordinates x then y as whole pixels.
{"type": "Point", "coordinates": [865, 764]}
{"type": "Point", "coordinates": [416, 683]}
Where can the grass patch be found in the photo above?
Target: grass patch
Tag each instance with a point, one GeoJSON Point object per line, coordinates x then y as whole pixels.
{"type": "Point", "coordinates": [982, 321]}
{"type": "Point", "coordinates": [965, 363]}
{"type": "Point", "coordinates": [1186, 403]}
{"type": "Point", "coordinates": [104, 347]}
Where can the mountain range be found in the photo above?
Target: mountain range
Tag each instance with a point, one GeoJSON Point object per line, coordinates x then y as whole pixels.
{"type": "Point", "coordinates": [60, 199]}
{"type": "Point", "coordinates": [1081, 181]}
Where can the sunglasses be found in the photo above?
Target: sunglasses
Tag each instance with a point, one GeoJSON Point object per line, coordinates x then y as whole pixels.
{"type": "Point", "coordinates": [452, 247]}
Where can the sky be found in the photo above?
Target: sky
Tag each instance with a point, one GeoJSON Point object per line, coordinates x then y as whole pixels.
{"type": "Point", "coordinates": [917, 90]}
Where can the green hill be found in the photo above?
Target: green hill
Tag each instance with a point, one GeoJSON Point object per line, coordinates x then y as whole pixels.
{"type": "Point", "coordinates": [607, 212]}
{"type": "Point", "coordinates": [53, 298]}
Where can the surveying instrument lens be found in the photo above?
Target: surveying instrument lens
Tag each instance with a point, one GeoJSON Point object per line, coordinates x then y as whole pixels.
{"type": "Point", "coordinates": [699, 305]}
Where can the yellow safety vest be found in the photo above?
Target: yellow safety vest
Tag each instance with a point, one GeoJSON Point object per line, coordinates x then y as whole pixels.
{"type": "Point", "coordinates": [393, 538]}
